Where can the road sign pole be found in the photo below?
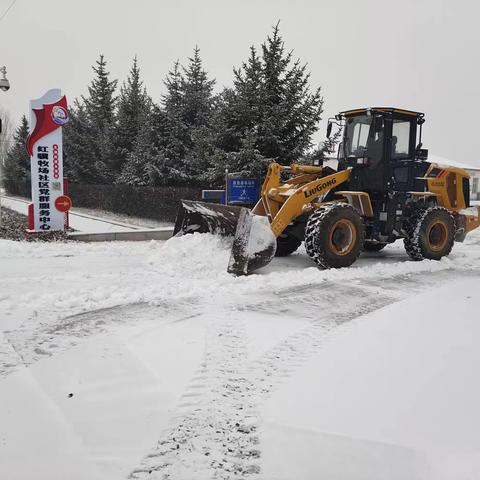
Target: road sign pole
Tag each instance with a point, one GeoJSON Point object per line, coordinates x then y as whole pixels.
{"type": "Point", "coordinates": [226, 186]}
{"type": "Point", "coordinates": [65, 192]}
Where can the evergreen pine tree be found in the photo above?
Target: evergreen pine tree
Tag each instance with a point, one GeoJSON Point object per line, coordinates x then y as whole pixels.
{"type": "Point", "coordinates": [136, 168]}
{"type": "Point", "coordinates": [132, 108]}
{"type": "Point", "coordinates": [100, 104]}
{"type": "Point", "coordinates": [188, 105]}
{"type": "Point", "coordinates": [100, 111]}
{"type": "Point", "coordinates": [147, 163]}
{"type": "Point", "coordinates": [237, 121]}
{"type": "Point", "coordinates": [270, 109]}
{"type": "Point", "coordinates": [175, 140]}
{"type": "Point", "coordinates": [292, 112]}
{"type": "Point", "coordinates": [17, 163]}
{"type": "Point", "coordinates": [197, 111]}
{"type": "Point", "coordinates": [196, 90]}
{"type": "Point", "coordinates": [80, 161]}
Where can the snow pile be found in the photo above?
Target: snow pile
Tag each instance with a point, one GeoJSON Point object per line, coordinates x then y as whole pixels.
{"type": "Point", "coordinates": [197, 255]}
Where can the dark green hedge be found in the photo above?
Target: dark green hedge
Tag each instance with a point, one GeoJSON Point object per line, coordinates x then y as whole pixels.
{"type": "Point", "coordinates": [160, 203]}
{"type": "Point", "coordinates": [21, 188]}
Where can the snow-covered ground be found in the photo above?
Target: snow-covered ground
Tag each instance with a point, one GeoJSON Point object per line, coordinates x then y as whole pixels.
{"type": "Point", "coordinates": [147, 360]}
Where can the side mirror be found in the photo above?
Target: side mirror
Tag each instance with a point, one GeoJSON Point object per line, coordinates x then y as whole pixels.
{"type": "Point", "coordinates": [329, 129]}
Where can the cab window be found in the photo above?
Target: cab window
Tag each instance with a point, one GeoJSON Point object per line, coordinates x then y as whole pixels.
{"type": "Point", "coordinates": [401, 139]}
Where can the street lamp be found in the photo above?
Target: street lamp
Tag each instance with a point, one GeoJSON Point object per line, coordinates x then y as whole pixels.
{"type": "Point", "coordinates": [4, 86]}
{"type": "Point", "coordinates": [4, 83]}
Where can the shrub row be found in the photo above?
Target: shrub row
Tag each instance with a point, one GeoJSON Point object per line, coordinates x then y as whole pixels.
{"type": "Point", "coordinates": [159, 203]}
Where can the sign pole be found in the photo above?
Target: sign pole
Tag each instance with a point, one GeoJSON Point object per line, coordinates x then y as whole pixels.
{"type": "Point", "coordinates": [226, 186]}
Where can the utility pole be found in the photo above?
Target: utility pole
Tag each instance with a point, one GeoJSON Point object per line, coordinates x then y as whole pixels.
{"type": "Point", "coordinates": [4, 86]}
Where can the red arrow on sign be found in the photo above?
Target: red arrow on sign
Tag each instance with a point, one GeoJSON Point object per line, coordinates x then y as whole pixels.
{"type": "Point", "coordinates": [63, 203]}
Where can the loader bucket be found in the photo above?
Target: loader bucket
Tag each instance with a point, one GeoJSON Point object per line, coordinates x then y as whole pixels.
{"type": "Point", "coordinates": [254, 244]}
{"type": "Point", "coordinates": [204, 217]}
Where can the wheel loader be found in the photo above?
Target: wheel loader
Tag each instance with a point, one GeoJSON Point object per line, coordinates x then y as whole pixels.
{"type": "Point", "coordinates": [383, 189]}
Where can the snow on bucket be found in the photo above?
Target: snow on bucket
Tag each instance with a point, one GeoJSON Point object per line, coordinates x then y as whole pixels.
{"type": "Point", "coordinates": [254, 244]}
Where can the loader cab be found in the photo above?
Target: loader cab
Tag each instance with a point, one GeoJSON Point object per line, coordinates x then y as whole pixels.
{"type": "Point", "coordinates": [380, 144]}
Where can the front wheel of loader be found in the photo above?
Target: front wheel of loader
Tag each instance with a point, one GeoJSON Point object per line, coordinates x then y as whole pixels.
{"type": "Point", "coordinates": [431, 234]}
{"type": "Point", "coordinates": [334, 236]}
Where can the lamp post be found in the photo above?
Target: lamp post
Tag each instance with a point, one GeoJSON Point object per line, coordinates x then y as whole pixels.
{"type": "Point", "coordinates": [4, 83]}
{"type": "Point", "coordinates": [4, 86]}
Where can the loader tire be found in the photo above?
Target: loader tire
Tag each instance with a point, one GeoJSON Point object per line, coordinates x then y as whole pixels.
{"type": "Point", "coordinates": [430, 234]}
{"type": "Point", "coordinates": [373, 246]}
{"type": "Point", "coordinates": [286, 245]}
{"type": "Point", "coordinates": [334, 236]}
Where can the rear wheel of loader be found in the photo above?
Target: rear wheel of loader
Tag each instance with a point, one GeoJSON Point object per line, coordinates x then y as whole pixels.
{"type": "Point", "coordinates": [373, 246]}
{"type": "Point", "coordinates": [286, 245]}
{"type": "Point", "coordinates": [334, 236]}
{"type": "Point", "coordinates": [431, 233]}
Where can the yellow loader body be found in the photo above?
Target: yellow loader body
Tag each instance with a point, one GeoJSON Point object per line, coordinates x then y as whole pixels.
{"type": "Point", "coordinates": [385, 189]}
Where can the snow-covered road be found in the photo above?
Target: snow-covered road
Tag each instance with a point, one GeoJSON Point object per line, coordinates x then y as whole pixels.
{"type": "Point", "coordinates": [147, 360]}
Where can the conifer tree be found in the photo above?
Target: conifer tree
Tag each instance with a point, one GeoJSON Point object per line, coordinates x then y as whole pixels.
{"type": "Point", "coordinates": [196, 90]}
{"type": "Point", "coordinates": [198, 103]}
{"type": "Point", "coordinates": [176, 131]}
{"type": "Point", "coordinates": [188, 106]}
{"type": "Point", "coordinates": [132, 108]}
{"type": "Point", "coordinates": [100, 111]}
{"type": "Point", "coordinates": [137, 167]}
{"type": "Point", "coordinates": [17, 162]}
{"type": "Point", "coordinates": [270, 109]}
{"type": "Point", "coordinates": [100, 104]}
{"type": "Point", "coordinates": [80, 162]}
{"type": "Point", "coordinates": [149, 163]}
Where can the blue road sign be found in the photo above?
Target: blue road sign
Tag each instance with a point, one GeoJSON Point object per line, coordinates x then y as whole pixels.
{"type": "Point", "coordinates": [213, 196]}
{"type": "Point", "coordinates": [243, 190]}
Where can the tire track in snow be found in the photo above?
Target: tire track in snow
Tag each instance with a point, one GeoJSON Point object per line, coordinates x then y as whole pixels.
{"type": "Point", "coordinates": [25, 346]}
{"type": "Point", "coordinates": [214, 434]}
{"type": "Point", "coordinates": [217, 436]}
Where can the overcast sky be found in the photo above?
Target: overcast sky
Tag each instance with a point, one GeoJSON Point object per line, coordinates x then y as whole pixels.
{"type": "Point", "coordinates": [419, 55]}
